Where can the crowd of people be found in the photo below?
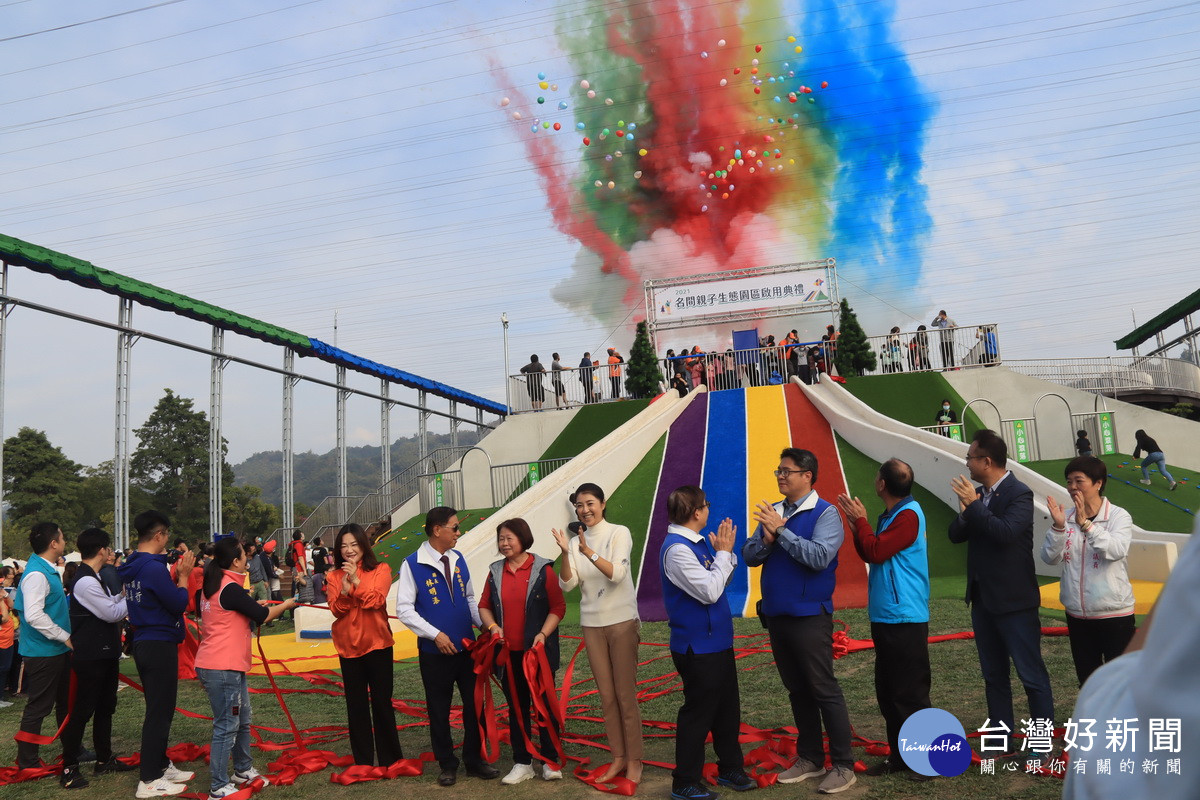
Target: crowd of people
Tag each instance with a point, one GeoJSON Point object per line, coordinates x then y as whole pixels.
{"type": "Point", "coordinates": [589, 374]}
{"type": "Point", "coordinates": [774, 362]}
{"type": "Point", "coordinates": [81, 628]}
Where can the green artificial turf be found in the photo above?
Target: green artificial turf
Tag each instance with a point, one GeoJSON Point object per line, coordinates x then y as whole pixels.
{"type": "Point", "coordinates": [591, 424]}
{"type": "Point", "coordinates": [1145, 503]}
{"type": "Point", "coordinates": [947, 562]}
{"type": "Point", "coordinates": [913, 398]}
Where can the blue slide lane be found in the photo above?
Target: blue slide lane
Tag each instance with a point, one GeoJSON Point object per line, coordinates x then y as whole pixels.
{"type": "Point", "coordinates": [724, 479]}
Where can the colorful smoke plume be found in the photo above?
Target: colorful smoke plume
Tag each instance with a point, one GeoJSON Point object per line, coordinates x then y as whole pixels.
{"type": "Point", "coordinates": [701, 137]}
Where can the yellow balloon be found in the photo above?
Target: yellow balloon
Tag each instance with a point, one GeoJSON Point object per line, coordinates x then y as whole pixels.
{"type": "Point", "coordinates": [543, 85]}
{"type": "Point", "coordinates": [791, 39]}
{"type": "Point", "coordinates": [643, 151]}
{"type": "Point", "coordinates": [799, 49]}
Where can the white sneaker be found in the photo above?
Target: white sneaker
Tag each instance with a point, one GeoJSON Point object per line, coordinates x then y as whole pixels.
{"type": "Point", "coordinates": [242, 778]}
{"type": "Point", "coordinates": [1144, 482]}
{"type": "Point", "coordinates": [159, 788]}
{"type": "Point", "coordinates": [224, 791]}
{"type": "Point", "coordinates": [551, 774]}
{"type": "Point", "coordinates": [176, 775]}
{"type": "Point", "coordinates": [518, 774]}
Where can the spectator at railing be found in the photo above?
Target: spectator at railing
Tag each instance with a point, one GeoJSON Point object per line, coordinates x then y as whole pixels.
{"type": "Point", "coordinates": [918, 350]}
{"type": "Point", "coordinates": [533, 372]}
{"type": "Point", "coordinates": [947, 327]}
{"type": "Point", "coordinates": [560, 391]}
{"type": "Point", "coordinates": [890, 354]}
{"type": "Point", "coordinates": [991, 348]}
{"type": "Point", "coordinates": [586, 373]}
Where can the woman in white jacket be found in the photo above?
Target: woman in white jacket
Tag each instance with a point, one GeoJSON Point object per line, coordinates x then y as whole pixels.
{"type": "Point", "coordinates": [1091, 541]}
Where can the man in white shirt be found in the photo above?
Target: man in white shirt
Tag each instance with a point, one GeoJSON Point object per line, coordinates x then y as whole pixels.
{"type": "Point", "coordinates": [45, 638]}
{"type": "Point", "coordinates": [436, 600]}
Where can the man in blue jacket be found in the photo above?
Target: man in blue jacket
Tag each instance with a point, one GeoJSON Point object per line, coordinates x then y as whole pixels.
{"type": "Point", "coordinates": [996, 522]}
{"type": "Point", "coordinates": [898, 602]}
{"type": "Point", "coordinates": [156, 605]}
{"type": "Point", "coordinates": [797, 543]}
{"type": "Point", "coordinates": [694, 580]}
{"type": "Point", "coordinates": [45, 637]}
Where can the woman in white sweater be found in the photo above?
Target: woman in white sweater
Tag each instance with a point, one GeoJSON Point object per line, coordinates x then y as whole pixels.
{"type": "Point", "coordinates": [1091, 541]}
{"type": "Point", "coordinates": [597, 561]}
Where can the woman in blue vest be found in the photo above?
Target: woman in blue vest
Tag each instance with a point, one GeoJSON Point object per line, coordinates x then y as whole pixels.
{"type": "Point", "coordinates": [522, 603]}
{"type": "Point", "coordinates": [597, 561]}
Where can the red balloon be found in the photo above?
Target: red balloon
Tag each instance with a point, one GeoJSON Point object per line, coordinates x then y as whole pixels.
{"type": "Point", "coordinates": [758, 48]}
{"type": "Point", "coordinates": [620, 133]}
{"type": "Point", "coordinates": [737, 70]}
{"type": "Point", "coordinates": [558, 126]}
{"type": "Point", "coordinates": [806, 89]}
{"type": "Point", "coordinates": [757, 90]}
{"type": "Point", "coordinates": [791, 98]}
{"type": "Point", "coordinates": [586, 141]}
{"type": "Point", "coordinates": [824, 84]}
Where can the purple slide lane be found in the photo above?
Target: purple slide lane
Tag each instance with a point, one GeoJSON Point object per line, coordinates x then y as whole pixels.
{"type": "Point", "coordinates": [681, 466]}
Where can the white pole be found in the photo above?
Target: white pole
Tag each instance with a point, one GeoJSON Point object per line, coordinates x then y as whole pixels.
{"type": "Point", "coordinates": [507, 398]}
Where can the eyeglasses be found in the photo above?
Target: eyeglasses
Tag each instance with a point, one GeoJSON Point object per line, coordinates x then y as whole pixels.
{"type": "Point", "coordinates": [969, 458]}
{"type": "Point", "coordinates": [784, 473]}
{"type": "Point", "coordinates": [453, 528]}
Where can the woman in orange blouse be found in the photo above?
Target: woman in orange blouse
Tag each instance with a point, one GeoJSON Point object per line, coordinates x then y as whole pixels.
{"type": "Point", "coordinates": [357, 591]}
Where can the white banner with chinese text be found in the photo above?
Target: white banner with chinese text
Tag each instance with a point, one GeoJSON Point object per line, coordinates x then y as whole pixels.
{"type": "Point", "coordinates": [742, 294]}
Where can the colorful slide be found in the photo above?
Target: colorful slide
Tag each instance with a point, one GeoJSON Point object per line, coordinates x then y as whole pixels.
{"type": "Point", "coordinates": [728, 443]}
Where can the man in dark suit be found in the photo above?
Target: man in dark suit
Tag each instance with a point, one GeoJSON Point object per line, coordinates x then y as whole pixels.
{"type": "Point", "coordinates": [996, 522]}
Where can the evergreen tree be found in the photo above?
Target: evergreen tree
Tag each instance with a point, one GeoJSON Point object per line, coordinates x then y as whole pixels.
{"type": "Point", "coordinates": [171, 464]}
{"type": "Point", "coordinates": [41, 485]}
{"type": "Point", "coordinates": [853, 354]}
{"type": "Point", "coordinates": [644, 378]}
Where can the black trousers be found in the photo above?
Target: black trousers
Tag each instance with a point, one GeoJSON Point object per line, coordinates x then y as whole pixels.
{"type": "Point", "coordinates": [902, 674]}
{"type": "Point", "coordinates": [615, 385]}
{"type": "Point", "coordinates": [368, 684]}
{"type": "Point", "coordinates": [439, 674]}
{"type": "Point", "coordinates": [521, 707]}
{"type": "Point", "coordinates": [1097, 641]}
{"type": "Point", "coordinates": [158, 668]}
{"type": "Point", "coordinates": [803, 648]}
{"type": "Point", "coordinates": [711, 703]}
{"type": "Point", "coordinates": [95, 699]}
{"type": "Point", "coordinates": [47, 683]}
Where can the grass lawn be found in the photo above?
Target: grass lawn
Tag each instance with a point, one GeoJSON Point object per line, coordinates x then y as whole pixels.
{"type": "Point", "coordinates": [1151, 506]}
{"type": "Point", "coordinates": [957, 687]}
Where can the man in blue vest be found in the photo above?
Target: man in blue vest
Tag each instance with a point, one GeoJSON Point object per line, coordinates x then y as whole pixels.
{"type": "Point", "coordinates": [796, 543]}
{"type": "Point", "coordinates": [45, 637]}
{"type": "Point", "coordinates": [436, 600]}
{"type": "Point", "coordinates": [694, 580]}
{"type": "Point", "coordinates": [898, 602]}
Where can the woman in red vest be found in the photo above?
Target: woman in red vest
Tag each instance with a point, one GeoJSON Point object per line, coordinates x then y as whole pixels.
{"type": "Point", "coordinates": [357, 591]}
{"type": "Point", "coordinates": [228, 615]}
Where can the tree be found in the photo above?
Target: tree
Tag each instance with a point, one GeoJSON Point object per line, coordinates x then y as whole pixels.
{"type": "Point", "coordinates": [41, 485]}
{"type": "Point", "coordinates": [171, 464]}
{"type": "Point", "coordinates": [246, 514]}
{"type": "Point", "coordinates": [853, 354]}
{"type": "Point", "coordinates": [644, 378]}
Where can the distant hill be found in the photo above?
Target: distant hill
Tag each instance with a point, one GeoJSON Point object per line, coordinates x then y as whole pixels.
{"type": "Point", "coordinates": [316, 473]}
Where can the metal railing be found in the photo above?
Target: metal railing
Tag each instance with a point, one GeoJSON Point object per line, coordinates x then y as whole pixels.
{"type": "Point", "coordinates": [566, 388]}
{"type": "Point", "coordinates": [936, 350]}
{"type": "Point", "coordinates": [1115, 375]}
{"type": "Point", "coordinates": [510, 480]}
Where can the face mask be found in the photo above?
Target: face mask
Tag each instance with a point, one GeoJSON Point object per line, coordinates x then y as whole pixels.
{"type": "Point", "coordinates": [945, 408]}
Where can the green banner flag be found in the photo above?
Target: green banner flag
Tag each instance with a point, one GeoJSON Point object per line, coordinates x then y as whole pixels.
{"type": "Point", "coordinates": [1108, 434]}
{"type": "Point", "coordinates": [438, 492]}
{"type": "Point", "coordinates": [1021, 440]}
{"type": "Point", "coordinates": [956, 432]}
{"type": "Point", "coordinates": [534, 476]}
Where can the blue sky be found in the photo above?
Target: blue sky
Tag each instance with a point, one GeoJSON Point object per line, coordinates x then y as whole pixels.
{"type": "Point", "coordinates": [290, 159]}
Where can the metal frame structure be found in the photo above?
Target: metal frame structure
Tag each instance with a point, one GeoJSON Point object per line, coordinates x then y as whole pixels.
{"type": "Point", "coordinates": [652, 322]}
{"type": "Point", "coordinates": [127, 336]}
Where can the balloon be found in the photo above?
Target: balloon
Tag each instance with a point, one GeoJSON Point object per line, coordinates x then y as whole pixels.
{"type": "Point", "coordinates": [725, 195]}
{"type": "Point", "coordinates": [643, 151]}
{"type": "Point", "coordinates": [704, 54]}
{"type": "Point", "coordinates": [546, 126]}
{"type": "Point", "coordinates": [758, 48]}
{"type": "Point", "coordinates": [533, 127]}
{"type": "Point", "coordinates": [824, 84]}
{"type": "Point", "coordinates": [702, 208]}
{"type": "Point", "coordinates": [605, 132]}
{"type": "Point", "coordinates": [812, 99]}
{"type": "Point", "coordinates": [504, 101]}
{"type": "Point", "coordinates": [631, 126]}
{"type": "Point", "coordinates": [637, 174]}
{"type": "Point", "coordinates": [579, 126]}
{"type": "Point", "coordinates": [776, 98]}
{"type": "Point", "coordinates": [720, 43]}
{"type": "Point", "coordinates": [617, 154]}
{"type": "Point", "coordinates": [620, 123]}
{"type": "Point", "coordinates": [608, 157]}
{"type": "Point", "coordinates": [737, 153]}
{"type": "Point", "coordinates": [554, 87]}
{"type": "Point", "coordinates": [754, 70]}
{"type": "Point", "coordinates": [541, 100]}
{"type": "Point", "coordinates": [620, 132]}
{"type": "Point", "coordinates": [799, 49]}
{"type": "Point", "coordinates": [737, 70]}
{"type": "Point", "coordinates": [591, 94]}
{"type": "Point", "coordinates": [754, 61]}
{"type": "Point", "coordinates": [628, 136]}
{"type": "Point", "coordinates": [586, 141]}
{"type": "Point", "coordinates": [543, 85]}
{"type": "Point", "coordinates": [608, 101]}
{"type": "Point", "coordinates": [611, 185]}
{"type": "Point", "coordinates": [806, 89]}
{"type": "Point", "coordinates": [757, 90]}
{"type": "Point", "coordinates": [791, 39]}
{"type": "Point", "coordinates": [541, 76]}
{"type": "Point", "coordinates": [599, 183]}
{"type": "Point", "coordinates": [724, 82]}
{"type": "Point", "coordinates": [562, 105]}
{"type": "Point", "coordinates": [557, 126]}
{"type": "Point", "coordinates": [584, 85]}
{"type": "Point", "coordinates": [516, 115]}
{"type": "Point", "coordinates": [731, 187]}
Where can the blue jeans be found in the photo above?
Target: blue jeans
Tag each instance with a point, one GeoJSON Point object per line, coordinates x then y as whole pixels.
{"type": "Point", "coordinates": [1016, 635]}
{"type": "Point", "coordinates": [230, 701]}
{"type": "Point", "coordinates": [1155, 458]}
